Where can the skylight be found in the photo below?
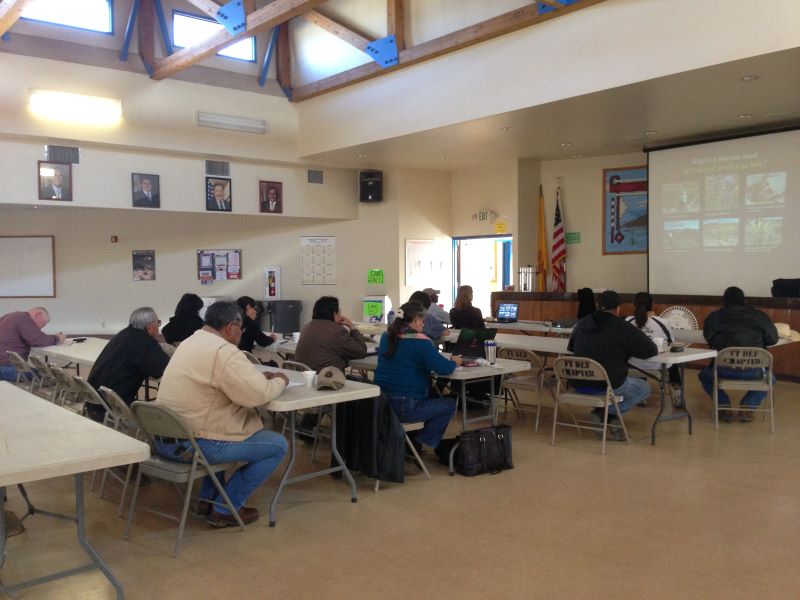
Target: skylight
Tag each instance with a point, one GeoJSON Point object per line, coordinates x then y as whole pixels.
{"type": "Point", "coordinates": [188, 30]}
{"type": "Point", "coordinates": [94, 15]}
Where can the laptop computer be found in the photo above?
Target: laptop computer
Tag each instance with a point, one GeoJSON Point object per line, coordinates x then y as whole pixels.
{"type": "Point", "coordinates": [507, 312]}
{"type": "Point", "coordinates": [470, 342]}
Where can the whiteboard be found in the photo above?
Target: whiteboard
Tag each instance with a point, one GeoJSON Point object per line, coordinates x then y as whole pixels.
{"type": "Point", "coordinates": [27, 267]}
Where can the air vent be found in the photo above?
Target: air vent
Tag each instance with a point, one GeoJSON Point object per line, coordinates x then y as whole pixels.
{"type": "Point", "coordinates": [314, 176]}
{"type": "Point", "coordinates": [218, 168]}
{"type": "Point", "coordinates": [62, 154]}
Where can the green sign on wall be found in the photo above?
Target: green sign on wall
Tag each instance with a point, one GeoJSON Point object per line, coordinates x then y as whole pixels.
{"type": "Point", "coordinates": [573, 237]}
{"type": "Point", "coordinates": [375, 276]}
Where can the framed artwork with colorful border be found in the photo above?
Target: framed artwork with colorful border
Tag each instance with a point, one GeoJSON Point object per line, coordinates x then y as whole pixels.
{"type": "Point", "coordinates": [625, 210]}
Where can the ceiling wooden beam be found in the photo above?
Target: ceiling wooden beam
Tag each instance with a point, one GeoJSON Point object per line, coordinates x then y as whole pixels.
{"type": "Point", "coordinates": [343, 32]}
{"type": "Point", "coordinates": [463, 38]}
{"type": "Point", "coordinates": [10, 12]}
{"type": "Point", "coordinates": [146, 33]}
{"type": "Point", "coordinates": [268, 16]}
{"type": "Point", "coordinates": [396, 21]}
{"type": "Point", "coordinates": [207, 6]}
{"type": "Point", "coordinates": [283, 60]}
{"type": "Point", "coordinates": [552, 3]}
{"type": "Point", "coordinates": [249, 6]}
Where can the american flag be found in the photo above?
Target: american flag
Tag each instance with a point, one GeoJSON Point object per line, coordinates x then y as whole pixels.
{"type": "Point", "coordinates": [559, 252]}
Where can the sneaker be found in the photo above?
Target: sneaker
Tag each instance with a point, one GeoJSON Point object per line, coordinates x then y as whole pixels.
{"type": "Point", "coordinates": [725, 416]}
{"type": "Point", "coordinates": [745, 416]}
{"type": "Point", "coordinates": [216, 519]}
{"type": "Point", "coordinates": [616, 434]}
{"type": "Point", "coordinates": [597, 419]}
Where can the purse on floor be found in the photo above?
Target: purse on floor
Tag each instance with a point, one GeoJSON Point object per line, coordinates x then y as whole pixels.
{"type": "Point", "coordinates": [486, 450]}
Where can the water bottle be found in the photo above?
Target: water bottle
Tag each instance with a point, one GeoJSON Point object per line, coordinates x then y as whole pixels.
{"type": "Point", "coordinates": [390, 317]}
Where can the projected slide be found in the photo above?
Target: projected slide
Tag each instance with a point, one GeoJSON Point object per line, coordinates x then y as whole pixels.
{"type": "Point", "coordinates": [720, 214]}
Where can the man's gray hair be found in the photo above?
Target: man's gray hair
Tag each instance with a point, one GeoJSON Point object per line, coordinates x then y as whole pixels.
{"type": "Point", "coordinates": [43, 310]}
{"type": "Point", "coordinates": [142, 317]}
{"type": "Point", "coordinates": [220, 314]}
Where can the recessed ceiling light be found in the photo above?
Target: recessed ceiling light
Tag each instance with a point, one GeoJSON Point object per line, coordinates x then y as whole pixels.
{"type": "Point", "coordinates": [745, 116]}
{"type": "Point", "coordinates": [566, 144]}
{"type": "Point", "coordinates": [650, 132]}
{"type": "Point", "coordinates": [749, 77]}
{"type": "Point", "coordinates": [506, 128]}
{"type": "Point", "coordinates": [443, 158]}
{"type": "Point", "coordinates": [577, 156]}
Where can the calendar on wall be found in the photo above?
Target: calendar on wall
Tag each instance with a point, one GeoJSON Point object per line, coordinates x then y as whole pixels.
{"type": "Point", "coordinates": [318, 260]}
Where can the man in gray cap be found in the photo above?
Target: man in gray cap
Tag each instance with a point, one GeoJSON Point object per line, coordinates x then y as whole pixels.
{"type": "Point", "coordinates": [434, 309]}
{"type": "Point", "coordinates": [604, 337]}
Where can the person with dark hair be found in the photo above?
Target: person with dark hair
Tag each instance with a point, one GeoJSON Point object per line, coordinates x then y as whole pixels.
{"type": "Point", "coordinates": [604, 337]}
{"type": "Point", "coordinates": [432, 327]}
{"type": "Point", "coordinates": [330, 339]}
{"type": "Point", "coordinates": [463, 314]}
{"type": "Point", "coordinates": [216, 391]}
{"type": "Point", "coordinates": [645, 320]}
{"type": "Point", "coordinates": [406, 358]}
{"type": "Point", "coordinates": [128, 359]}
{"type": "Point", "coordinates": [185, 321]}
{"type": "Point", "coordinates": [737, 324]}
{"type": "Point", "coordinates": [586, 305]}
{"type": "Point", "coordinates": [434, 308]}
{"type": "Point", "coordinates": [251, 332]}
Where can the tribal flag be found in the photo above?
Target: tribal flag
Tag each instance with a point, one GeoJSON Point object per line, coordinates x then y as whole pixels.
{"type": "Point", "coordinates": [559, 252]}
{"type": "Point", "coordinates": [541, 258]}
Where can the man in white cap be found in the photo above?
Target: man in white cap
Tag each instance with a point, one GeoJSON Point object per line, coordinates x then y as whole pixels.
{"type": "Point", "coordinates": [434, 309]}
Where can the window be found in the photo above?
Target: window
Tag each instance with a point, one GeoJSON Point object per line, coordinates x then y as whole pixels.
{"type": "Point", "coordinates": [188, 30]}
{"type": "Point", "coordinates": [94, 15]}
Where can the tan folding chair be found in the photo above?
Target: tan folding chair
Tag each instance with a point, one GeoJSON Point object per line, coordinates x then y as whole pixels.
{"type": "Point", "coordinates": [315, 432]}
{"type": "Point", "coordinates": [69, 394]}
{"type": "Point", "coordinates": [532, 380]}
{"type": "Point", "coordinates": [46, 377]}
{"type": "Point", "coordinates": [252, 357]}
{"type": "Point", "coordinates": [159, 421]}
{"type": "Point", "coordinates": [27, 377]}
{"type": "Point", "coordinates": [407, 427]}
{"type": "Point", "coordinates": [743, 357]}
{"type": "Point", "coordinates": [120, 419]}
{"type": "Point", "coordinates": [572, 367]}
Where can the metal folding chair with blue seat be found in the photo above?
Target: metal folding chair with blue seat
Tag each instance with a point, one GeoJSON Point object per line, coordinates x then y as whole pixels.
{"type": "Point", "coordinates": [741, 357]}
{"type": "Point", "coordinates": [159, 421]}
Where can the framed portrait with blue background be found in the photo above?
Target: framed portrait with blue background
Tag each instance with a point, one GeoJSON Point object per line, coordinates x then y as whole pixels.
{"type": "Point", "coordinates": [625, 210]}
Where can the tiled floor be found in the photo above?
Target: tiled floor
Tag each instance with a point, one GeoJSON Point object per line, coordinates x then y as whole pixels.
{"type": "Point", "coordinates": [712, 515]}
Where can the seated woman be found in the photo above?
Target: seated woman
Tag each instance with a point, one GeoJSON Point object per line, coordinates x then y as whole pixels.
{"type": "Point", "coordinates": [406, 358]}
{"type": "Point", "coordinates": [653, 327]}
{"type": "Point", "coordinates": [329, 339]}
{"type": "Point", "coordinates": [586, 304]}
{"type": "Point", "coordinates": [463, 314]}
{"type": "Point", "coordinates": [251, 331]}
{"type": "Point", "coordinates": [186, 320]}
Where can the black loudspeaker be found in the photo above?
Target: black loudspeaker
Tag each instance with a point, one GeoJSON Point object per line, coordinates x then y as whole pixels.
{"type": "Point", "coordinates": [370, 186]}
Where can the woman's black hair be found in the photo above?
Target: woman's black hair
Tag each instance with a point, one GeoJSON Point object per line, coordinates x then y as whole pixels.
{"type": "Point", "coordinates": [642, 304]}
{"type": "Point", "coordinates": [325, 308]}
{"type": "Point", "coordinates": [244, 301]}
{"type": "Point", "coordinates": [188, 305]}
{"type": "Point", "coordinates": [586, 305]}
{"type": "Point", "coordinates": [410, 311]}
{"type": "Point", "coordinates": [422, 298]}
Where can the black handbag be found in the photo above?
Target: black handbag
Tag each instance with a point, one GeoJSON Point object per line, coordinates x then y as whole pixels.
{"type": "Point", "coordinates": [485, 450]}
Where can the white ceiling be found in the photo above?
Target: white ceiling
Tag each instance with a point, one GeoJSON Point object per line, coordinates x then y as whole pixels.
{"type": "Point", "coordinates": [699, 103]}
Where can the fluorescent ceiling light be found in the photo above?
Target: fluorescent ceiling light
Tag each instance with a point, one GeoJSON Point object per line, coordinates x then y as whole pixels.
{"type": "Point", "coordinates": [205, 119]}
{"type": "Point", "coordinates": [75, 108]}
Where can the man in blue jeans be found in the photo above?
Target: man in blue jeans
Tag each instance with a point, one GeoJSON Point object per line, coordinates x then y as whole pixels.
{"type": "Point", "coordinates": [212, 386]}
{"type": "Point", "coordinates": [737, 325]}
{"type": "Point", "coordinates": [604, 337]}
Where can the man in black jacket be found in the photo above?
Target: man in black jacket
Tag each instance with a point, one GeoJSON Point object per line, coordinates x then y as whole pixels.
{"type": "Point", "coordinates": [737, 325]}
{"type": "Point", "coordinates": [128, 359]}
{"type": "Point", "coordinates": [604, 337]}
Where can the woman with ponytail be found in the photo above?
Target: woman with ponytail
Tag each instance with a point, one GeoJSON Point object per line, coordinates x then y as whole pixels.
{"type": "Point", "coordinates": [653, 327]}
{"type": "Point", "coordinates": [406, 358]}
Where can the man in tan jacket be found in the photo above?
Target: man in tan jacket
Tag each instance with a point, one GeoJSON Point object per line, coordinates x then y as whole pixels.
{"type": "Point", "coordinates": [216, 390]}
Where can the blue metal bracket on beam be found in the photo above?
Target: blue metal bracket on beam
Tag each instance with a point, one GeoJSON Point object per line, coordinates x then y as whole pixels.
{"type": "Point", "coordinates": [542, 8]}
{"type": "Point", "coordinates": [5, 37]}
{"type": "Point", "coordinates": [232, 17]}
{"type": "Point", "coordinates": [123, 53]}
{"type": "Point", "coordinates": [273, 40]}
{"type": "Point", "coordinates": [383, 51]}
{"type": "Point", "coordinates": [162, 23]}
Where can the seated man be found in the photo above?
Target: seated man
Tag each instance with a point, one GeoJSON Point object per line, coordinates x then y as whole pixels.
{"type": "Point", "coordinates": [434, 309]}
{"type": "Point", "coordinates": [330, 339]}
{"type": "Point", "coordinates": [128, 359]}
{"type": "Point", "coordinates": [19, 332]}
{"type": "Point", "coordinates": [737, 325]}
{"type": "Point", "coordinates": [216, 391]}
{"type": "Point", "coordinates": [432, 327]}
{"type": "Point", "coordinates": [605, 337]}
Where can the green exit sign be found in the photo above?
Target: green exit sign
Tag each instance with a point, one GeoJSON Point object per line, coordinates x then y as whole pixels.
{"type": "Point", "coordinates": [375, 276]}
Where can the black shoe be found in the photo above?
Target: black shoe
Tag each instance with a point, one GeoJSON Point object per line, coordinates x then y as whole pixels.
{"type": "Point", "coordinates": [247, 515]}
{"type": "Point", "coordinates": [726, 416]}
{"type": "Point", "coordinates": [745, 416]}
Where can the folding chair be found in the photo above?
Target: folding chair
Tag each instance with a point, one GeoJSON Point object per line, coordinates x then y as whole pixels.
{"type": "Point", "coordinates": [532, 380]}
{"type": "Point", "coordinates": [407, 427]}
{"type": "Point", "coordinates": [120, 419]}
{"type": "Point", "coordinates": [749, 358]}
{"type": "Point", "coordinates": [585, 369]}
{"type": "Point", "coordinates": [159, 421]}
{"type": "Point", "coordinates": [27, 377]}
{"type": "Point", "coordinates": [46, 377]}
{"type": "Point", "coordinates": [68, 391]}
{"type": "Point", "coordinates": [252, 357]}
{"type": "Point", "coordinates": [315, 432]}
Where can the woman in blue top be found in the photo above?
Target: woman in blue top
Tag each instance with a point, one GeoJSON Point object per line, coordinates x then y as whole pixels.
{"type": "Point", "coordinates": [406, 358]}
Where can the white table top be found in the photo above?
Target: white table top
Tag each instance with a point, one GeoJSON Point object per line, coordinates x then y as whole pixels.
{"type": "Point", "coordinates": [39, 440]}
{"type": "Point", "coordinates": [537, 326]}
{"type": "Point", "coordinates": [84, 353]}
{"type": "Point", "coordinates": [503, 365]}
{"type": "Point", "coordinates": [371, 328]}
{"type": "Point", "coordinates": [290, 347]}
{"type": "Point", "coordinates": [299, 397]}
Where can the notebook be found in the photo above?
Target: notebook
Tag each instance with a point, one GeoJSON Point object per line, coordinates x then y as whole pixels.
{"type": "Point", "coordinates": [470, 342]}
{"type": "Point", "coordinates": [507, 312]}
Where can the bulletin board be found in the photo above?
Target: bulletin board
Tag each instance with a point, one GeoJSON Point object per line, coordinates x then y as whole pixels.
{"type": "Point", "coordinates": [218, 265]}
{"type": "Point", "coordinates": [28, 266]}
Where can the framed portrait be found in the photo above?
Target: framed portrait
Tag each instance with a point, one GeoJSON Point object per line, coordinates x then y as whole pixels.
{"type": "Point", "coordinates": [55, 181]}
{"type": "Point", "coordinates": [145, 190]}
{"type": "Point", "coordinates": [219, 194]}
{"type": "Point", "coordinates": [270, 196]}
{"type": "Point", "coordinates": [625, 210]}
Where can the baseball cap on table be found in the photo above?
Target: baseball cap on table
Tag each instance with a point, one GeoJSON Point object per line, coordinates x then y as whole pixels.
{"type": "Point", "coordinates": [608, 300]}
{"type": "Point", "coordinates": [431, 291]}
{"type": "Point", "coordinates": [330, 378]}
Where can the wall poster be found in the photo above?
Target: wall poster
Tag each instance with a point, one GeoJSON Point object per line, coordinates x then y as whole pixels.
{"type": "Point", "coordinates": [318, 260]}
{"type": "Point", "coordinates": [625, 210]}
{"type": "Point", "coordinates": [218, 265]}
{"type": "Point", "coordinates": [427, 262]}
